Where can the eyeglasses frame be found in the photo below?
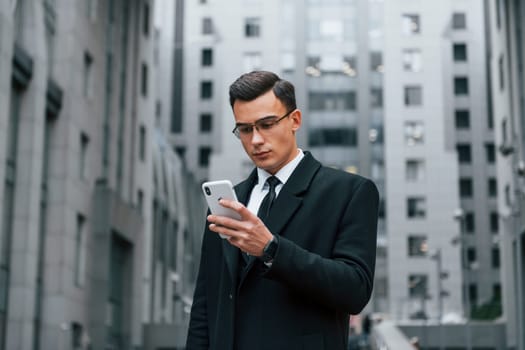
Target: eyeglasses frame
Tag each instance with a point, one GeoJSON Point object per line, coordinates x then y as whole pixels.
{"type": "Point", "coordinates": [237, 133]}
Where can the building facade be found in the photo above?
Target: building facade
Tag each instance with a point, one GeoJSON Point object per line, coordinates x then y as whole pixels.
{"type": "Point", "coordinates": [439, 160]}
{"type": "Point", "coordinates": [97, 226]}
{"type": "Point", "coordinates": [507, 54]}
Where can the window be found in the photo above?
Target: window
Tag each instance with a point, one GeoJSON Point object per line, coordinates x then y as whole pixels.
{"type": "Point", "coordinates": [470, 223]}
{"type": "Point", "coordinates": [465, 187]}
{"type": "Point", "coordinates": [333, 137]}
{"type": "Point", "coordinates": [205, 122]}
{"type": "Point", "coordinates": [412, 60]}
{"type": "Point", "coordinates": [490, 153]}
{"type": "Point", "coordinates": [492, 187]}
{"type": "Point", "coordinates": [416, 207]}
{"type": "Point", "coordinates": [144, 80]}
{"type": "Point", "coordinates": [415, 170]}
{"type": "Point", "coordinates": [140, 200]}
{"type": "Point", "coordinates": [462, 119]}
{"type": "Point", "coordinates": [471, 255]}
{"type": "Point", "coordinates": [206, 90]}
{"type": "Point", "coordinates": [464, 153]}
{"type": "Point", "coordinates": [460, 52]}
{"type": "Point", "coordinates": [207, 57]}
{"type": "Point", "coordinates": [76, 336]}
{"type": "Point", "coordinates": [376, 97]}
{"type": "Point", "coordinates": [376, 61]}
{"type": "Point", "coordinates": [207, 26]}
{"type": "Point", "coordinates": [79, 252]}
{"type": "Point", "coordinates": [142, 143]}
{"type": "Point", "coordinates": [417, 245]}
{"type": "Point", "coordinates": [88, 75]}
{"type": "Point", "coordinates": [84, 143]}
{"type": "Point", "coordinates": [459, 21]}
{"type": "Point", "coordinates": [501, 70]}
{"type": "Point", "coordinates": [173, 245]}
{"type": "Point", "coordinates": [504, 131]}
{"type": "Point", "coordinates": [332, 101]}
{"type": "Point", "coordinates": [252, 27]}
{"type": "Point", "coordinates": [495, 258]}
{"type": "Point", "coordinates": [181, 152]}
{"type": "Point", "coordinates": [414, 133]}
{"type": "Point", "coordinates": [252, 61]}
{"type": "Point", "coordinates": [145, 20]}
{"type": "Point", "coordinates": [494, 222]}
{"type": "Point", "coordinates": [508, 197]}
{"type": "Point", "coordinates": [496, 291]}
{"type": "Point", "coordinates": [413, 95]}
{"type": "Point", "coordinates": [204, 156]}
{"type": "Point", "coordinates": [410, 24]}
{"type": "Point", "coordinates": [417, 285]}
{"type": "Point", "coordinates": [473, 293]}
{"type": "Point", "coordinates": [461, 86]}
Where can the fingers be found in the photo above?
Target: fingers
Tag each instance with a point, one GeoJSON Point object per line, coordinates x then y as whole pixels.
{"type": "Point", "coordinates": [248, 234]}
{"type": "Point", "coordinates": [247, 218]}
{"type": "Point", "coordinates": [223, 230]}
{"type": "Point", "coordinates": [238, 207]}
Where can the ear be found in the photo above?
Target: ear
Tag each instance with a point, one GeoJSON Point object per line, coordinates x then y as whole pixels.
{"type": "Point", "coordinates": [297, 119]}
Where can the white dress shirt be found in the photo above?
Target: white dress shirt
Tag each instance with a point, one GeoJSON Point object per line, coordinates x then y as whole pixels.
{"type": "Point", "coordinates": [260, 190]}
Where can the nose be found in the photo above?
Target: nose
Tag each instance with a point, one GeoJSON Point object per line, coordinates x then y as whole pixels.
{"type": "Point", "coordinates": [257, 138]}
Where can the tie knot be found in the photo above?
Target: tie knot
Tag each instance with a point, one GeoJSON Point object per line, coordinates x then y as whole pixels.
{"type": "Point", "coordinates": [273, 182]}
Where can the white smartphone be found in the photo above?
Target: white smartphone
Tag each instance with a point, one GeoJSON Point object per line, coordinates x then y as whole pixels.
{"type": "Point", "coordinates": [214, 191]}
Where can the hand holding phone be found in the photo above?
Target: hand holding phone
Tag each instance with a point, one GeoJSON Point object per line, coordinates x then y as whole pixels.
{"type": "Point", "coordinates": [215, 191]}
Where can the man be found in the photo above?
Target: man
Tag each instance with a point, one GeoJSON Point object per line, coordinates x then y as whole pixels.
{"type": "Point", "coordinates": [290, 281]}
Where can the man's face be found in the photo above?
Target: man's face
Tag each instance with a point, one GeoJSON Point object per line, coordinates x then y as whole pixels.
{"type": "Point", "coordinates": [272, 148]}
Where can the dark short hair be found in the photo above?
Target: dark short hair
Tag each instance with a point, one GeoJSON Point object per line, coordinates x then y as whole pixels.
{"type": "Point", "coordinates": [251, 85]}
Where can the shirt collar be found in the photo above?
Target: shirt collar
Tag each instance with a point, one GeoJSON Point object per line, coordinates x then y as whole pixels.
{"type": "Point", "coordinates": [284, 173]}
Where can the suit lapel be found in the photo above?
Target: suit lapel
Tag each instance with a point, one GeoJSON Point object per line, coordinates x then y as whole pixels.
{"type": "Point", "coordinates": [290, 197]}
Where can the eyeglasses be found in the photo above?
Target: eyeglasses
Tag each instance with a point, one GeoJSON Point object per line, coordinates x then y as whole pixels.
{"type": "Point", "coordinates": [262, 125]}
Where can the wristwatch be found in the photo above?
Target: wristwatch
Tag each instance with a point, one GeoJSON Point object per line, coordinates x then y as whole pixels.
{"type": "Point", "coordinates": [269, 251]}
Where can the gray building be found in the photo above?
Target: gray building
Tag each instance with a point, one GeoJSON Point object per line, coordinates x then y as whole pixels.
{"type": "Point", "coordinates": [97, 232]}
{"type": "Point", "coordinates": [439, 160]}
{"type": "Point", "coordinates": [507, 52]}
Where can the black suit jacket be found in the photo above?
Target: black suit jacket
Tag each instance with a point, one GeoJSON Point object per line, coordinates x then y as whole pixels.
{"type": "Point", "coordinates": [323, 270]}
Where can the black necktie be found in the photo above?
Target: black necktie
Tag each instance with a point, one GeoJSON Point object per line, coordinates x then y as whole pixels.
{"type": "Point", "coordinates": [264, 209]}
{"type": "Point", "coordinates": [267, 202]}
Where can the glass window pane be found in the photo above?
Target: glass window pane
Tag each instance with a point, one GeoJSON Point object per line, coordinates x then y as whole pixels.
{"type": "Point", "coordinates": [413, 96]}
{"type": "Point", "coordinates": [417, 245]}
{"type": "Point", "coordinates": [414, 133]}
{"type": "Point", "coordinates": [412, 60]}
{"type": "Point", "coordinates": [410, 24]}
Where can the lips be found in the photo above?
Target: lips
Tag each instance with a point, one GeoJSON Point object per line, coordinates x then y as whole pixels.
{"type": "Point", "coordinates": [261, 154]}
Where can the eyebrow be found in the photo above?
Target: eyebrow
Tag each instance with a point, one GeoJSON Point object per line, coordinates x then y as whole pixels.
{"type": "Point", "coordinates": [263, 118]}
